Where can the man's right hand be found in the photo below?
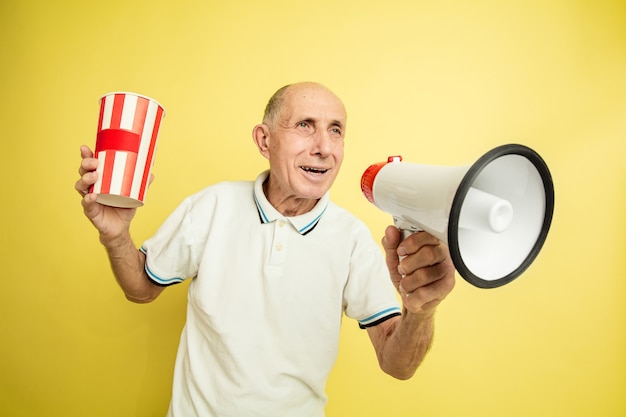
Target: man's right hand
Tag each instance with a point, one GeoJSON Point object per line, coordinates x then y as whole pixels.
{"type": "Point", "coordinates": [111, 222]}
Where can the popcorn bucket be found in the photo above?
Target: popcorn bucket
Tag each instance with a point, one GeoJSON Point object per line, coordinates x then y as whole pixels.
{"type": "Point", "coordinates": [128, 128]}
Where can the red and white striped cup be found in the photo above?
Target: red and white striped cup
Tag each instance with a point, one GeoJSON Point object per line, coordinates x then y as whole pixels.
{"type": "Point", "coordinates": [128, 129]}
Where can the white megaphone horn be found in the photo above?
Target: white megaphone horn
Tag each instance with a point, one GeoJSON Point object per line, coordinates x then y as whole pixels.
{"type": "Point", "coordinates": [494, 215]}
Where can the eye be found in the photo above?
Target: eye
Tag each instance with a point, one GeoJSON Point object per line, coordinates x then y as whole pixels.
{"type": "Point", "coordinates": [305, 127]}
{"type": "Point", "coordinates": [336, 131]}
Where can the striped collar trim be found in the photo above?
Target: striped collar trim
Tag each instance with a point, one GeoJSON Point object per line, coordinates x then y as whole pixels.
{"type": "Point", "coordinates": [303, 223]}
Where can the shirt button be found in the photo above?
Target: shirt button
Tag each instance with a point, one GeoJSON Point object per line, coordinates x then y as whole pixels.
{"type": "Point", "coordinates": [279, 247]}
{"type": "Point", "coordinates": [281, 223]}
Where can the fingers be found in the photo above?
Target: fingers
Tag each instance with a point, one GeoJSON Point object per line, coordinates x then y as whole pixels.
{"type": "Point", "coordinates": [424, 290]}
{"type": "Point", "coordinates": [427, 275]}
{"type": "Point", "coordinates": [86, 180]}
{"type": "Point", "coordinates": [85, 152]}
{"type": "Point", "coordinates": [428, 297]}
{"type": "Point", "coordinates": [90, 207]}
{"type": "Point", "coordinates": [427, 272]}
{"type": "Point", "coordinates": [420, 250]}
{"type": "Point", "coordinates": [88, 162]}
{"type": "Point", "coordinates": [390, 243]}
{"type": "Point", "coordinates": [87, 171]}
{"type": "Point", "coordinates": [415, 241]}
{"type": "Point", "coordinates": [83, 185]}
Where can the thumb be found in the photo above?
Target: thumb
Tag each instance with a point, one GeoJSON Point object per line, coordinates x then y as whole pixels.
{"type": "Point", "coordinates": [390, 243]}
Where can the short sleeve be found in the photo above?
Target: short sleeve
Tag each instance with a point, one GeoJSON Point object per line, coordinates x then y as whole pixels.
{"type": "Point", "coordinates": [171, 256]}
{"type": "Point", "coordinates": [369, 296]}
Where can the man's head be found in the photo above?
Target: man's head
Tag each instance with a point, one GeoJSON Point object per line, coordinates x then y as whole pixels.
{"type": "Point", "coordinates": [274, 107]}
{"type": "Point", "coordinates": [302, 137]}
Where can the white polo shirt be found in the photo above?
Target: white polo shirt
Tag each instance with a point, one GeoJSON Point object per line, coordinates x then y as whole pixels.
{"type": "Point", "coordinates": [266, 301]}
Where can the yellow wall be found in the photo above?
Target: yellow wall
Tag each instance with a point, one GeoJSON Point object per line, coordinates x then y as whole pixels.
{"type": "Point", "coordinates": [439, 82]}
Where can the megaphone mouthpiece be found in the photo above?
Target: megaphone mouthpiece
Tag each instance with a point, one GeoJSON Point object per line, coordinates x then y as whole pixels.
{"type": "Point", "coordinates": [486, 212]}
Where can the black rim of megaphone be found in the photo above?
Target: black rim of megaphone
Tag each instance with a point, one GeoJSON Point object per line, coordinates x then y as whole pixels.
{"type": "Point", "coordinates": [466, 183]}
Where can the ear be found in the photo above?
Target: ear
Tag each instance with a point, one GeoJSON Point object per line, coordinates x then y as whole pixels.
{"type": "Point", "coordinates": [261, 136]}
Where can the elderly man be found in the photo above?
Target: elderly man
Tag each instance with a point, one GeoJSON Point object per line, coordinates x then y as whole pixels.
{"type": "Point", "coordinates": [274, 265]}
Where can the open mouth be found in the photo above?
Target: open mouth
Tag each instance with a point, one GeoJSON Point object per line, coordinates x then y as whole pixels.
{"type": "Point", "coordinates": [314, 170]}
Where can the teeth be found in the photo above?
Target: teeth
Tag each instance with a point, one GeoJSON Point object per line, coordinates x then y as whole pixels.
{"type": "Point", "coordinates": [314, 170]}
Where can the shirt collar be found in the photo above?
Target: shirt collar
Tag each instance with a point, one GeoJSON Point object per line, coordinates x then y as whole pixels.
{"type": "Point", "coordinates": [303, 223]}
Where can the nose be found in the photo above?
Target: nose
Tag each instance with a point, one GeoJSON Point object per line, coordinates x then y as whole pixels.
{"type": "Point", "coordinates": [322, 144]}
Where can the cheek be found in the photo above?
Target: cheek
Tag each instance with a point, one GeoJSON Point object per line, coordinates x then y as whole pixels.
{"type": "Point", "coordinates": [281, 159]}
{"type": "Point", "coordinates": [339, 153]}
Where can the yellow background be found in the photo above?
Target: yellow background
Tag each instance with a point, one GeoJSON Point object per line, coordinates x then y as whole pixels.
{"type": "Point", "coordinates": [438, 82]}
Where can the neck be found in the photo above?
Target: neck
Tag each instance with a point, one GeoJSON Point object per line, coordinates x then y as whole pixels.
{"type": "Point", "coordinates": [288, 206]}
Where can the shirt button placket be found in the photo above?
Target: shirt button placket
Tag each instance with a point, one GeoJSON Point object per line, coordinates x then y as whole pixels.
{"type": "Point", "coordinates": [278, 245]}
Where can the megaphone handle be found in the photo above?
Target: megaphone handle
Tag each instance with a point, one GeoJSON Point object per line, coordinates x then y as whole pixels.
{"type": "Point", "coordinates": [404, 233]}
{"type": "Point", "coordinates": [405, 228]}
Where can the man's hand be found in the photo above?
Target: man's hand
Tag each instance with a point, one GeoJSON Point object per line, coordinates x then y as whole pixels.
{"type": "Point", "coordinates": [111, 222]}
{"type": "Point", "coordinates": [421, 269]}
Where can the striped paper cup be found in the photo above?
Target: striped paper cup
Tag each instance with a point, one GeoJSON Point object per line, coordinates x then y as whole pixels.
{"type": "Point", "coordinates": [128, 128]}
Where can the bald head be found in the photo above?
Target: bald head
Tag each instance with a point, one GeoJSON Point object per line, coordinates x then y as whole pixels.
{"type": "Point", "coordinates": [281, 98]}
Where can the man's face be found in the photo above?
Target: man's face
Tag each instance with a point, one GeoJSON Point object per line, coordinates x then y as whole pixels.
{"type": "Point", "coordinates": [306, 145]}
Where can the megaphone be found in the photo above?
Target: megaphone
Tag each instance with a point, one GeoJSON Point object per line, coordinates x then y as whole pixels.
{"type": "Point", "coordinates": [494, 215]}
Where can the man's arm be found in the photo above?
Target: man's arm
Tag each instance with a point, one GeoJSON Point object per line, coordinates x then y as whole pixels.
{"type": "Point", "coordinates": [113, 224]}
{"type": "Point", "coordinates": [423, 278]}
{"type": "Point", "coordinates": [128, 266]}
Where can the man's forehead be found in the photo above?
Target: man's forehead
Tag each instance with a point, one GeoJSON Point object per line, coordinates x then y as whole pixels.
{"type": "Point", "coordinates": [314, 102]}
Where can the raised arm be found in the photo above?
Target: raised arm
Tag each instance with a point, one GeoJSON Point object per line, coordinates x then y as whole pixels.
{"type": "Point", "coordinates": [423, 278]}
{"type": "Point", "coordinates": [113, 224]}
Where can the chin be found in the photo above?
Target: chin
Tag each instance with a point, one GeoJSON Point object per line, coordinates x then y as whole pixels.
{"type": "Point", "coordinates": [316, 190]}
{"type": "Point", "coordinates": [314, 194]}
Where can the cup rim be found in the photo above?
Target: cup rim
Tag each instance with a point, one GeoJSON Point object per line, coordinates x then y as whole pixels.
{"type": "Point", "coordinates": [134, 94]}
